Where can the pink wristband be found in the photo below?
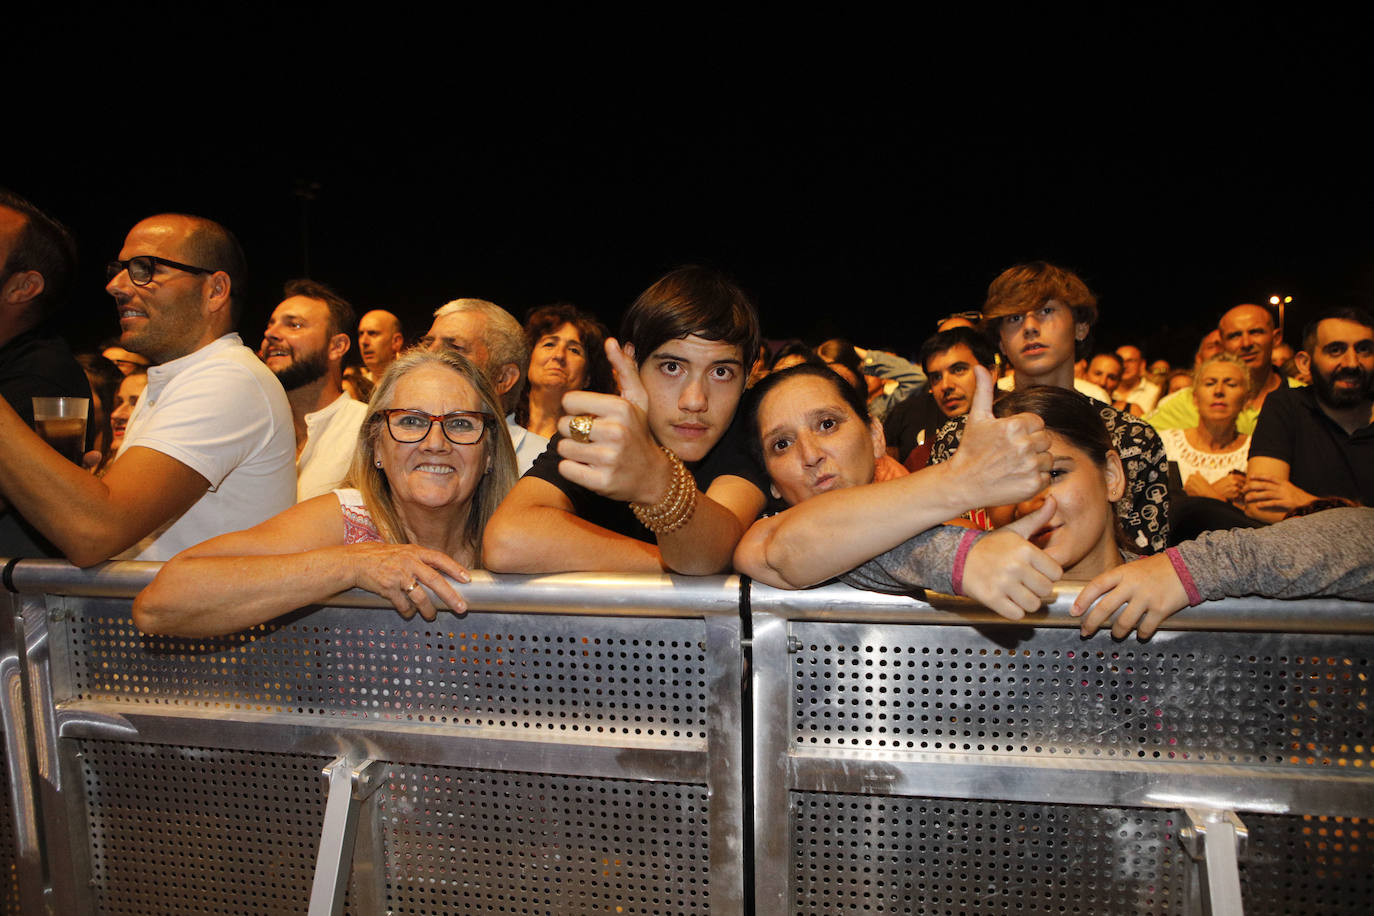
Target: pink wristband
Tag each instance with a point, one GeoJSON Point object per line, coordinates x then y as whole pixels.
{"type": "Point", "coordinates": [966, 543]}
{"type": "Point", "coordinates": [1181, 570]}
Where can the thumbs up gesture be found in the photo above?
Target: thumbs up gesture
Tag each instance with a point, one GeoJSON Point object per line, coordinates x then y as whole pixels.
{"type": "Point", "coordinates": [1005, 572]}
{"type": "Point", "coordinates": [1004, 461]}
{"type": "Point", "coordinates": [621, 460]}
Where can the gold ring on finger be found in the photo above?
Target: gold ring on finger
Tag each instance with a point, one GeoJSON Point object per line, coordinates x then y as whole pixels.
{"type": "Point", "coordinates": [580, 427]}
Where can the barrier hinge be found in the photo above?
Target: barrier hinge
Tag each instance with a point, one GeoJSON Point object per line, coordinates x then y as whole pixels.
{"type": "Point", "coordinates": [348, 786]}
{"type": "Point", "coordinates": [1216, 840]}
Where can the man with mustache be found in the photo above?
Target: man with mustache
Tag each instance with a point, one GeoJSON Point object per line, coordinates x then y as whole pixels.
{"type": "Point", "coordinates": [1318, 441]}
{"type": "Point", "coordinates": [304, 346]}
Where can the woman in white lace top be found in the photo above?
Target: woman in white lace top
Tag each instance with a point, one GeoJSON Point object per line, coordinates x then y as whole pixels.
{"type": "Point", "coordinates": [1211, 456]}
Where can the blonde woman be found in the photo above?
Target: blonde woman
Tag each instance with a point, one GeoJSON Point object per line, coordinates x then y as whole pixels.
{"type": "Point", "coordinates": [432, 463]}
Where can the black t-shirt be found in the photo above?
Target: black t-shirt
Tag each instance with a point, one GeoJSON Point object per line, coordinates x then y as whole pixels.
{"type": "Point", "coordinates": [908, 418]}
{"type": "Point", "coordinates": [1321, 458]}
{"type": "Point", "coordinates": [36, 365]}
{"type": "Point", "coordinates": [729, 458]}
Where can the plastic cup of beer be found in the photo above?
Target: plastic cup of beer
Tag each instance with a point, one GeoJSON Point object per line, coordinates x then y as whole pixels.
{"type": "Point", "coordinates": [62, 424]}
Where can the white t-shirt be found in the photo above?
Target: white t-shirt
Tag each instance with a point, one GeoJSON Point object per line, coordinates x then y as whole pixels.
{"type": "Point", "coordinates": [528, 445]}
{"type": "Point", "coordinates": [331, 437]}
{"type": "Point", "coordinates": [224, 415]}
{"type": "Point", "coordinates": [1082, 386]}
{"type": "Point", "coordinates": [1144, 395]}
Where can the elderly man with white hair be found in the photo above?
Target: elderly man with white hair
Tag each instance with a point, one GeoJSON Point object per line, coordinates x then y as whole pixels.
{"type": "Point", "coordinates": [491, 337]}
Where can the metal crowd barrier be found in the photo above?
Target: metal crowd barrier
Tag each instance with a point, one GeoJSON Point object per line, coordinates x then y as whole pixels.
{"type": "Point", "coordinates": [912, 759]}
{"type": "Point", "coordinates": [617, 744]}
{"type": "Point", "coordinates": [575, 746]}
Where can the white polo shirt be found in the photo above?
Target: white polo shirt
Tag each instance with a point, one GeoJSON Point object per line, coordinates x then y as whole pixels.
{"type": "Point", "coordinates": [224, 415]}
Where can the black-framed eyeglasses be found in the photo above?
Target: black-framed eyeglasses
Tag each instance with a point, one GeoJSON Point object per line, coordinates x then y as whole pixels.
{"type": "Point", "coordinates": [141, 268]}
{"type": "Point", "coordinates": [461, 427]}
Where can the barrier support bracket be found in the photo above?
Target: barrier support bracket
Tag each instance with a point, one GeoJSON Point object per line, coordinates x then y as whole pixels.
{"type": "Point", "coordinates": [1216, 840]}
{"type": "Point", "coordinates": [349, 786]}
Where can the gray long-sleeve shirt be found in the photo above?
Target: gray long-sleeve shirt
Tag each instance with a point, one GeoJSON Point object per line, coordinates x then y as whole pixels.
{"type": "Point", "coordinates": [1329, 553]}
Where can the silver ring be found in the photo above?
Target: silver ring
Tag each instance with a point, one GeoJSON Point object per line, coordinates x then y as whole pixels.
{"type": "Point", "coordinates": [580, 427]}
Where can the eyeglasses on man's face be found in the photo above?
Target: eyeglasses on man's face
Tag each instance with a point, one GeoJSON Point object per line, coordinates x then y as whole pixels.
{"type": "Point", "coordinates": [461, 427]}
{"type": "Point", "coordinates": [142, 267]}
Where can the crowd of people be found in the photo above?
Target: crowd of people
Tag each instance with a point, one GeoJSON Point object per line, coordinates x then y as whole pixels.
{"type": "Point", "coordinates": [1007, 457]}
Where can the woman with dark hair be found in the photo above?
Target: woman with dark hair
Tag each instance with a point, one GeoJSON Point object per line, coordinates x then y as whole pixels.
{"type": "Point", "coordinates": [131, 388]}
{"type": "Point", "coordinates": [1065, 523]}
{"type": "Point", "coordinates": [104, 377]}
{"type": "Point", "coordinates": [813, 435]}
{"type": "Point", "coordinates": [432, 463]}
{"type": "Point", "coordinates": [567, 354]}
{"type": "Point", "coordinates": [792, 353]}
{"type": "Point", "coordinates": [1087, 480]}
{"type": "Point", "coordinates": [840, 355]}
{"type": "Point", "coordinates": [886, 537]}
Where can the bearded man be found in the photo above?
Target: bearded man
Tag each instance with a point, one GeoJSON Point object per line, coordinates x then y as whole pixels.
{"type": "Point", "coordinates": [1318, 441]}
{"type": "Point", "coordinates": [304, 346]}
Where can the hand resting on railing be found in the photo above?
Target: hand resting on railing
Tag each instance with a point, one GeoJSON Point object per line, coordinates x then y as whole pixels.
{"type": "Point", "coordinates": [421, 498]}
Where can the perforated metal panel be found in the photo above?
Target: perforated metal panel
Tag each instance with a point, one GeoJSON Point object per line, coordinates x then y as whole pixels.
{"type": "Point", "coordinates": [1308, 865]}
{"type": "Point", "coordinates": [471, 841]}
{"type": "Point", "coordinates": [9, 867]}
{"type": "Point", "coordinates": [1293, 699]}
{"type": "Point", "coordinates": [192, 831]}
{"type": "Point", "coordinates": [866, 854]}
{"type": "Point", "coordinates": [588, 675]}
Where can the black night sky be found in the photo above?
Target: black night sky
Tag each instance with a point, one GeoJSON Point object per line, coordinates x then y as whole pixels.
{"type": "Point", "coordinates": [1179, 174]}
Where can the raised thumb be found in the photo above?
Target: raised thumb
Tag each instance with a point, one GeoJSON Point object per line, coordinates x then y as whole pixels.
{"type": "Point", "coordinates": [983, 390]}
{"type": "Point", "coordinates": [626, 374]}
{"type": "Point", "coordinates": [1028, 525]}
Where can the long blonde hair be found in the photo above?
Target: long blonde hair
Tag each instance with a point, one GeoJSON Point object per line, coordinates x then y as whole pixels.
{"type": "Point", "coordinates": [372, 483]}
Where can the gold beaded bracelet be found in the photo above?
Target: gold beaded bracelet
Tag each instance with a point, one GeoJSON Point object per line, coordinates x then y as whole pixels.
{"type": "Point", "coordinates": [677, 505]}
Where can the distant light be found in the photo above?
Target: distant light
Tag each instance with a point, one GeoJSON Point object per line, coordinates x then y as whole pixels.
{"type": "Point", "coordinates": [1287, 298]}
{"type": "Point", "coordinates": [1273, 300]}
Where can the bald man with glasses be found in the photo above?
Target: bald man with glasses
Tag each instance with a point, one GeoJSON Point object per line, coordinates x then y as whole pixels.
{"type": "Point", "coordinates": [210, 447]}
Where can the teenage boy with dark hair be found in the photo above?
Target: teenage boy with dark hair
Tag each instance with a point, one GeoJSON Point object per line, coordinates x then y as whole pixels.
{"type": "Point", "coordinates": [655, 478]}
{"type": "Point", "coordinates": [1040, 315]}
